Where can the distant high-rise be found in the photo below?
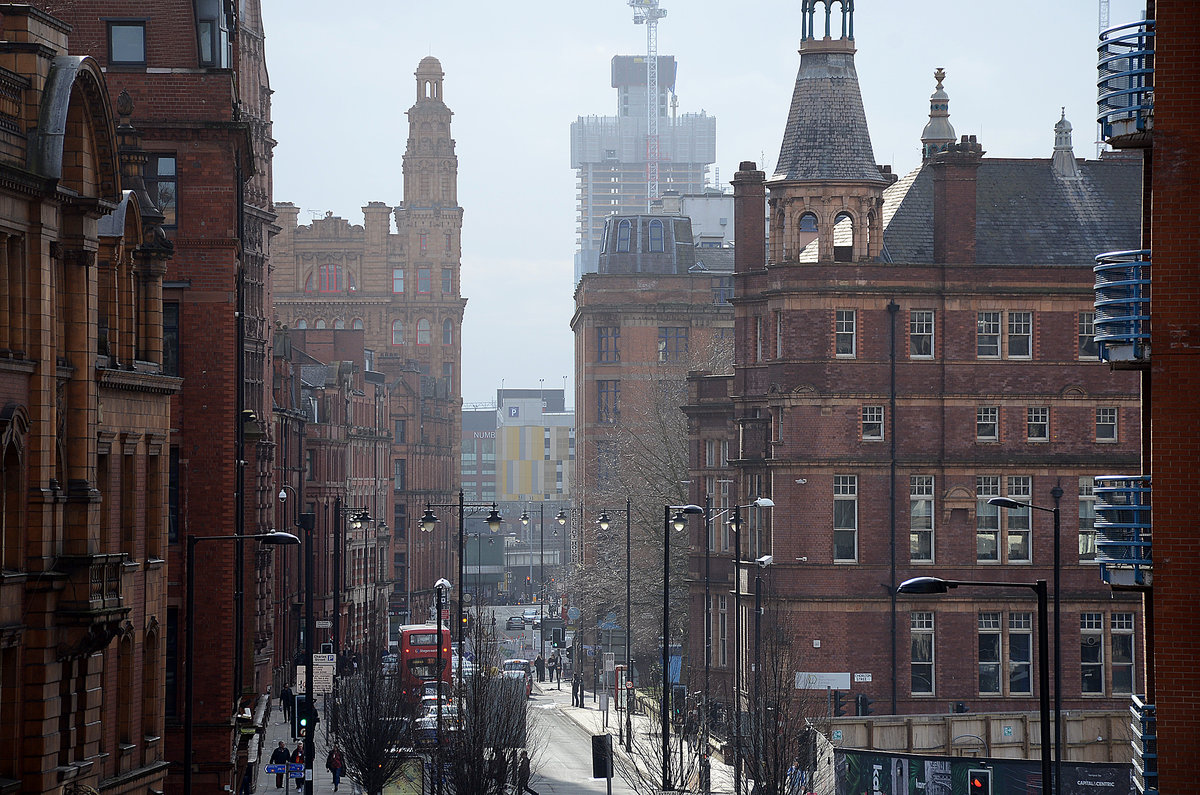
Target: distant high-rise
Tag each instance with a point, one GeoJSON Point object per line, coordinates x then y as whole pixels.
{"type": "Point", "coordinates": [609, 153]}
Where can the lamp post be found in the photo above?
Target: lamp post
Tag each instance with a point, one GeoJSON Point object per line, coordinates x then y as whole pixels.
{"type": "Point", "coordinates": [541, 573]}
{"type": "Point", "coordinates": [677, 522]}
{"type": "Point", "coordinates": [429, 521]}
{"type": "Point", "coordinates": [604, 522]}
{"type": "Point", "coordinates": [763, 562]}
{"type": "Point", "coordinates": [273, 538]}
{"type": "Point", "coordinates": [357, 517]}
{"type": "Point", "coordinates": [441, 586]}
{"type": "Point", "coordinates": [935, 585]}
{"type": "Point", "coordinates": [735, 522]}
{"type": "Point", "coordinates": [1056, 494]}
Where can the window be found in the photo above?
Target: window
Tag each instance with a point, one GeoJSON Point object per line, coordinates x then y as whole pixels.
{"type": "Point", "coordinates": [1091, 653]}
{"type": "Point", "coordinates": [987, 421]}
{"type": "Point", "coordinates": [920, 334]}
{"type": "Point", "coordinates": [872, 423]}
{"type": "Point", "coordinates": [624, 233]}
{"type": "Point", "coordinates": [722, 287]}
{"type": "Point", "coordinates": [212, 34]}
{"type": "Point", "coordinates": [423, 281]}
{"type": "Point", "coordinates": [127, 43]}
{"type": "Point", "coordinates": [758, 338]}
{"type": "Point", "coordinates": [722, 630]}
{"type": "Point", "coordinates": [399, 474]}
{"type": "Point", "coordinates": [1087, 519]}
{"type": "Point", "coordinates": [987, 519]}
{"type": "Point", "coordinates": [301, 323]}
{"type": "Point", "coordinates": [448, 376]}
{"type": "Point", "coordinates": [398, 280]}
{"type": "Point", "coordinates": [672, 344]}
{"type": "Point", "coordinates": [656, 237]}
{"type": "Point", "coordinates": [845, 517]}
{"type": "Point", "coordinates": [357, 324]}
{"type": "Point", "coordinates": [339, 323]}
{"type": "Point", "coordinates": [921, 665]}
{"type": "Point", "coordinates": [1020, 489]}
{"type": "Point", "coordinates": [844, 333]}
{"type": "Point", "coordinates": [1106, 425]}
{"type": "Point", "coordinates": [170, 338]}
{"type": "Point", "coordinates": [987, 335]}
{"type": "Point", "coordinates": [920, 523]}
{"type": "Point", "coordinates": [1087, 336]}
{"type": "Point", "coordinates": [401, 431]}
{"type": "Point", "coordinates": [447, 332]}
{"type": "Point", "coordinates": [1020, 335]}
{"type": "Point", "coordinates": [449, 245]}
{"type": "Point", "coordinates": [162, 184]}
{"type": "Point", "coordinates": [329, 279]}
{"type": "Point", "coordinates": [989, 653]}
{"type": "Point", "coordinates": [1037, 424]}
{"type": "Point", "coordinates": [778, 334]}
{"type": "Point", "coordinates": [447, 282]}
{"type": "Point", "coordinates": [716, 453]}
{"type": "Point", "coordinates": [397, 332]}
{"type": "Point", "coordinates": [422, 332]}
{"type": "Point", "coordinates": [320, 323]}
{"type": "Point", "coordinates": [1122, 652]}
{"type": "Point", "coordinates": [608, 344]}
{"type": "Point", "coordinates": [608, 401]}
{"type": "Point", "coordinates": [1020, 653]}
{"type": "Point", "coordinates": [423, 242]}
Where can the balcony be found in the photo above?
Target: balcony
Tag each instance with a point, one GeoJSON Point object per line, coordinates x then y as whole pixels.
{"type": "Point", "coordinates": [1144, 740]}
{"type": "Point", "coordinates": [1123, 307]}
{"type": "Point", "coordinates": [1126, 84]}
{"type": "Point", "coordinates": [1123, 530]}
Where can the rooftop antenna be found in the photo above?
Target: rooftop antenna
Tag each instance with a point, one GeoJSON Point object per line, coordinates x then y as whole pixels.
{"type": "Point", "coordinates": [647, 12]}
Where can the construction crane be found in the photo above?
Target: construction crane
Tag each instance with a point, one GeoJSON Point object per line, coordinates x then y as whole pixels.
{"type": "Point", "coordinates": [647, 12]}
{"type": "Point", "coordinates": [1100, 127]}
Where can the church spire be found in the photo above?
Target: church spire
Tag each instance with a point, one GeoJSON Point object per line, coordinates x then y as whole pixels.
{"type": "Point", "coordinates": [938, 133]}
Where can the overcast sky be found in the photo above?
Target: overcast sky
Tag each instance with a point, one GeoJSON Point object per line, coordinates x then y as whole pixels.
{"type": "Point", "coordinates": [518, 74]}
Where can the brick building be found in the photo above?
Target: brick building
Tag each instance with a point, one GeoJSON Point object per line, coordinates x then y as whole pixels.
{"type": "Point", "coordinates": [84, 428]}
{"type": "Point", "coordinates": [402, 291]}
{"type": "Point", "coordinates": [907, 349]}
{"type": "Point", "coordinates": [1149, 73]}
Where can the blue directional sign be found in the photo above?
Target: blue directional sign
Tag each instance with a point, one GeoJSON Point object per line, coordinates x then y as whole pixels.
{"type": "Point", "coordinates": [275, 768]}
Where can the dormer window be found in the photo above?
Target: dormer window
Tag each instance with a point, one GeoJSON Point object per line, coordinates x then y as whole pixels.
{"type": "Point", "coordinates": [656, 237]}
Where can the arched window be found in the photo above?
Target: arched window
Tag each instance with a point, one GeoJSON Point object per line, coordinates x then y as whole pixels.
{"type": "Point", "coordinates": [397, 332]}
{"type": "Point", "coordinates": [624, 233]}
{"type": "Point", "coordinates": [447, 332]}
{"type": "Point", "coordinates": [656, 236]}
{"type": "Point", "coordinates": [301, 323]}
{"type": "Point", "coordinates": [339, 323]}
{"type": "Point", "coordinates": [843, 238]}
{"type": "Point", "coordinates": [357, 323]}
{"type": "Point", "coordinates": [422, 332]}
{"type": "Point", "coordinates": [808, 223]}
{"type": "Point", "coordinates": [330, 279]}
{"type": "Point", "coordinates": [320, 323]}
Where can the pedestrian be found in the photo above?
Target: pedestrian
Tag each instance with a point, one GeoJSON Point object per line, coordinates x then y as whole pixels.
{"type": "Point", "coordinates": [333, 763]}
{"type": "Point", "coordinates": [499, 771]}
{"type": "Point", "coordinates": [298, 754]}
{"type": "Point", "coordinates": [280, 756]}
{"type": "Point", "coordinates": [289, 702]}
{"type": "Point", "coordinates": [577, 689]}
{"type": "Point", "coordinates": [540, 665]}
{"type": "Point", "coordinates": [523, 774]}
{"type": "Point", "coordinates": [553, 666]}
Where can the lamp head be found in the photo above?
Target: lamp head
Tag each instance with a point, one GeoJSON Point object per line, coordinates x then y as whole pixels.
{"type": "Point", "coordinates": [1005, 502]}
{"type": "Point", "coordinates": [277, 538]}
{"type": "Point", "coordinates": [561, 518]}
{"type": "Point", "coordinates": [494, 519]}
{"type": "Point", "coordinates": [925, 586]}
{"type": "Point", "coordinates": [764, 502]}
{"type": "Point", "coordinates": [428, 520]}
{"type": "Point", "coordinates": [603, 521]}
{"type": "Point", "coordinates": [442, 583]}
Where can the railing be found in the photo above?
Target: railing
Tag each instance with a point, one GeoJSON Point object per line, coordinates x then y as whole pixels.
{"type": "Point", "coordinates": [1122, 326]}
{"type": "Point", "coordinates": [1126, 80]}
{"type": "Point", "coordinates": [1145, 746]}
{"type": "Point", "coordinates": [1123, 530]}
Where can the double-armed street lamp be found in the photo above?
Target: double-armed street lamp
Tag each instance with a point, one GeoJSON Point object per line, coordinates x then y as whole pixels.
{"type": "Point", "coordinates": [936, 585]}
{"type": "Point", "coordinates": [541, 568]}
{"type": "Point", "coordinates": [441, 587]}
{"type": "Point", "coordinates": [358, 518]}
{"type": "Point", "coordinates": [604, 523]}
{"type": "Point", "coordinates": [1056, 494]}
{"type": "Point", "coordinates": [677, 522]}
{"type": "Point", "coordinates": [735, 522]}
{"type": "Point", "coordinates": [273, 538]}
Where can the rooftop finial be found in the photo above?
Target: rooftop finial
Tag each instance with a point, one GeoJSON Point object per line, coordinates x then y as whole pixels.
{"type": "Point", "coordinates": [938, 133]}
{"type": "Point", "coordinates": [939, 75]}
{"type": "Point", "coordinates": [1063, 160]}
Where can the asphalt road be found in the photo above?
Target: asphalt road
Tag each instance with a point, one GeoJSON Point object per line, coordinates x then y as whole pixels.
{"type": "Point", "coordinates": [563, 760]}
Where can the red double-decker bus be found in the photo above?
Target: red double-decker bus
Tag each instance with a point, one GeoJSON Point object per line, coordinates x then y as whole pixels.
{"type": "Point", "coordinates": [417, 662]}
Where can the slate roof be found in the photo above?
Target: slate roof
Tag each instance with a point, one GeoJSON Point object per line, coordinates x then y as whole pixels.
{"type": "Point", "coordinates": [826, 137]}
{"type": "Point", "coordinates": [1025, 213]}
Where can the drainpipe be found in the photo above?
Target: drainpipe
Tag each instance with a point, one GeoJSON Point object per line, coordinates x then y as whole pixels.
{"type": "Point", "coordinates": [893, 310]}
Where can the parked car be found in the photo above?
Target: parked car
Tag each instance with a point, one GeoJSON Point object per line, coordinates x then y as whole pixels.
{"type": "Point", "coordinates": [532, 616]}
{"type": "Point", "coordinates": [518, 668]}
{"type": "Point", "coordinates": [425, 732]}
{"type": "Point", "coordinates": [514, 622]}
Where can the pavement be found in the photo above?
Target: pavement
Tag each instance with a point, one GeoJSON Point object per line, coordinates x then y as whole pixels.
{"type": "Point", "coordinates": [278, 729]}
{"type": "Point", "coordinates": [595, 721]}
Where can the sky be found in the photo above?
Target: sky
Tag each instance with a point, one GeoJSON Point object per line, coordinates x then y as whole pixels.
{"type": "Point", "coordinates": [517, 75]}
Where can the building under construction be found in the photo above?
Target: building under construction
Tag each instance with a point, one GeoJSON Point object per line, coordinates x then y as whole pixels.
{"type": "Point", "coordinates": [610, 153]}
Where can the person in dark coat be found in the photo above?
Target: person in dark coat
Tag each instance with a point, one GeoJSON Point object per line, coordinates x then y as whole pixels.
{"type": "Point", "coordinates": [540, 665]}
{"type": "Point", "coordinates": [499, 771]}
{"type": "Point", "coordinates": [523, 774]}
{"type": "Point", "coordinates": [334, 764]}
{"type": "Point", "coordinates": [280, 756]}
{"type": "Point", "coordinates": [289, 702]}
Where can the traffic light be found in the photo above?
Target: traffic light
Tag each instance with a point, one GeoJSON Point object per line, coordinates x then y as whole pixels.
{"type": "Point", "coordinates": [862, 705]}
{"type": "Point", "coordinates": [839, 703]}
{"type": "Point", "coordinates": [556, 638]}
{"type": "Point", "coordinates": [979, 782]}
{"type": "Point", "coordinates": [300, 716]}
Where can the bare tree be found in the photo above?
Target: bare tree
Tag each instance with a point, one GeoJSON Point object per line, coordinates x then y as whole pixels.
{"type": "Point", "coordinates": [366, 721]}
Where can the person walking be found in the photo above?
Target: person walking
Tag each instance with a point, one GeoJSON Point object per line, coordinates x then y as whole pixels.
{"type": "Point", "coordinates": [280, 756]}
{"type": "Point", "coordinates": [523, 775]}
{"type": "Point", "coordinates": [333, 763]}
{"type": "Point", "coordinates": [288, 698]}
{"type": "Point", "coordinates": [499, 771]}
{"type": "Point", "coordinates": [577, 689]}
{"type": "Point", "coordinates": [553, 666]}
{"type": "Point", "coordinates": [298, 754]}
{"type": "Point", "coordinates": [540, 665]}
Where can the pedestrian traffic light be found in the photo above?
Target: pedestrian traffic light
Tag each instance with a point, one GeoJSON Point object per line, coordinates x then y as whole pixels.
{"type": "Point", "coordinates": [300, 716]}
{"type": "Point", "coordinates": [839, 703]}
{"type": "Point", "coordinates": [979, 782]}
{"type": "Point", "coordinates": [557, 637]}
{"type": "Point", "coordinates": [862, 705]}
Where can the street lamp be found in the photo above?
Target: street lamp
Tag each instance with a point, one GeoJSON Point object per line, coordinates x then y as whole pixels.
{"type": "Point", "coordinates": [1004, 502]}
{"type": "Point", "coordinates": [441, 586]}
{"type": "Point", "coordinates": [735, 522]}
{"type": "Point", "coordinates": [429, 521]}
{"type": "Point", "coordinates": [357, 517]}
{"type": "Point", "coordinates": [935, 585]}
{"type": "Point", "coordinates": [604, 522]}
{"type": "Point", "coordinates": [541, 573]}
{"type": "Point", "coordinates": [677, 522]}
{"type": "Point", "coordinates": [273, 538]}
{"type": "Point", "coordinates": [762, 562]}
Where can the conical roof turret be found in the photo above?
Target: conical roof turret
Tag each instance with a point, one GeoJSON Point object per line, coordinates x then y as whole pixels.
{"type": "Point", "coordinates": [938, 133]}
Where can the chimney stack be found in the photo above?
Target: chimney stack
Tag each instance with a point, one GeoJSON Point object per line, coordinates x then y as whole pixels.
{"type": "Point", "coordinates": [749, 218]}
{"type": "Point", "coordinates": [954, 201]}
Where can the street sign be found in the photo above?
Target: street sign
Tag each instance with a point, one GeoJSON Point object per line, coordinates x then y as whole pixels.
{"type": "Point", "coordinates": [822, 681]}
{"type": "Point", "coordinates": [324, 659]}
{"type": "Point", "coordinates": [323, 623]}
{"type": "Point", "coordinates": [295, 767]}
{"type": "Point", "coordinates": [275, 768]}
{"type": "Point", "coordinates": [862, 677]}
{"type": "Point", "coordinates": [573, 614]}
{"type": "Point", "coordinates": [837, 735]}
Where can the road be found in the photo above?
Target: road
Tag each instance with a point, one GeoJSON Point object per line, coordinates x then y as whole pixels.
{"type": "Point", "coordinates": [563, 760]}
